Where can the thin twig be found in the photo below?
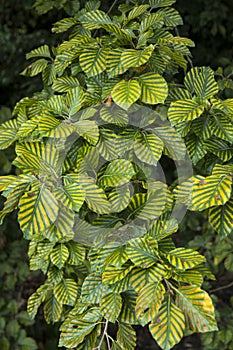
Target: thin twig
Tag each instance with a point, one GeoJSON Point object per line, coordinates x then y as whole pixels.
{"type": "Point", "coordinates": [103, 335]}
{"type": "Point", "coordinates": [221, 288]}
{"type": "Point", "coordinates": [111, 7]}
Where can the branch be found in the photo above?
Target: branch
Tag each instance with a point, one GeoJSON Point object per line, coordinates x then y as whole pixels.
{"type": "Point", "coordinates": [221, 288]}
{"type": "Point", "coordinates": [102, 338]}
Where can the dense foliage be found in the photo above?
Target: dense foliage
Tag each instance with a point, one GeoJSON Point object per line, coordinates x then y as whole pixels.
{"type": "Point", "coordinates": [69, 215]}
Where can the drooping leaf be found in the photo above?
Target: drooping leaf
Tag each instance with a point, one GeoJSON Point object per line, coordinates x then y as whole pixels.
{"type": "Point", "coordinates": [38, 210]}
{"type": "Point", "coordinates": [220, 217]}
{"type": "Point", "coordinates": [142, 252]}
{"type": "Point", "coordinates": [198, 309]}
{"type": "Point", "coordinates": [148, 148]}
{"type": "Point", "coordinates": [126, 337]}
{"type": "Point", "coordinates": [66, 291]}
{"type": "Point", "coordinates": [168, 327]}
{"type": "Point", "coordinates": [110, 306]}
{"type": "Point", "coordinates": [59, 255]}
{"type": "Point", "coordinates": [149, 301]}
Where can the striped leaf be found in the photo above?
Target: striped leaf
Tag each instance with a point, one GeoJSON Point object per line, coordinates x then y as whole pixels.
{"type": "Point", "coordinates": [171, 17]}
{"type": "Point", "coordinates": [197, 307]}
{"type": "Point", "coordinates": [168, 328]}
{"type": "Point", "coordinates": [113, 63]}
{"type": "Point", "coordinates": [114, 274]}
{"type": "Point", "coordinates": [126, 336]}
{"type": "Point", "coordinates": [222, 127]}
{"type": "Point", "coordinates": [148, 148]}
{"type": "Point", "coordinates": [35, 67]}
{"type": "Point", "coordinates": [77, 253]}
{"type": "Point", "coordinates": [191, 276]}
{"type": "Point", "coordinates": [183, 259]}
{"type": "Point", "coordinates": [154, 88]}
{"type": "Point", "coordinates": [119, 198]}
{"type": "Point", "coordinates": [8, 131]}
{"type": "Point", "coordinates": [41, 51]}
{"type": "Point", "coordinates": [117, 258]}
{"type": "Point", "coordinates": [75, 196]}
{"type": "Point", "coordinates": [125, 93]}
{"type": "Point", "coordinates": [94, 195]}
{"type": "Point", "coordinates": [220, 218]}
{"type": "Point", "coordinates": [114, 115]}
{"type": "Point", "coordinates": [128, 314]}
{"type": "Point", "coordinates": [200, 81]}
{"type": "Point", "coordinates": [38, 210]}
{"type": "Point", "coordinates": [64, 84]}
{"type": "Point", "coordinates": [35, 300]}
{"type": "Point", "coordinates": [74, 330]}
{"type": "Point", "coordinates": [195, 146]}
{"type": "Point", "coordinates": [219, 148]}
{"type": "Point", "coordinates": [59, 255]}
{"type": "Point", "coordinates": [136, 58]}
{"type": "Point", "coordinates": [173, 142]}
{"type": "Point", "coordinates": [37, 157]}
{"type": "Point", "coordinates": [149, 301]}
{"type": "Point", "coordinates": [110, 306]}
{"type": "Point", "coordinates": [74, 100]}
{"type": "Point", "coordinates": [92, 289]}
{"type": "Point", "coordinates": [52, 308]}
{"type": "Point", "coordinates": [185, 110]}
{"type": "Point", "coordinates": [148, 207]}
{"type": "Point", "coordinates": [161, 3]}
{"type": "Point", "coordinates": [66, 291]}
{"type": "Point", "coordinates": [118, 173]}
{"type": "Point", "coordinates": [55, 275]}
{"type": "Point", "coordinates": [210, 191]}
{"type": "Point", "coordinates": [93, 61]}
{"type": "Point", "coordinates": [88, 129]}
{"type": "Point", "coordinates": [95, 17]}
{"type": "Point", "coordinates": [142, 252]}
{"type": "Point", "coordinates": [137, 11]}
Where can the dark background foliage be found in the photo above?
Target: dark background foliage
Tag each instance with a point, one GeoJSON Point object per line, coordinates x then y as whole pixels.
{"type": "Point", "coordinates": [22, 28]}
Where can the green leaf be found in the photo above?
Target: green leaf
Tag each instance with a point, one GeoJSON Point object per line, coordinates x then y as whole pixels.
{"type": "Point", "coordinates": [142, 251]}
{"type": "Point", "coordinates": [66, 291]}
{"type": "Point", "coordinates": [118, 173]}
{"type": "Point", "coordinates": [119, 198]}
{"type": "Point", "coordinates": [52, 308]}
{"type": "Point", "coordinates": [8, 131]}
{"type": "Point", "coordinates": [154, 88]}
{"type": "Point", "coordinates": [183, 259]}
{"type": "Point", "coordinates": [149, 301]}
{"type": "Point", "coordinates": [220, 218]}
{"type": "Point", "coordinates": [88, 129]}
{"type": "Point", "coordinates": [210, 191]}
{"type": "Point", "coordinates": [171, 17]}
{"type": "Point", "coordinates": [92, 289]}
{"type": "Point", "coordinates": [185, 110]}
{"type": "Point", "coordinates": [200, 81]}
{"type": "Point", "coordinates": [110, 306]}
{"type": "Point", "coordinates": [41, 51]}
{"type": "Point", "coordinates": [65, 84]}
{"type": "Point", "coordinates": [35, 67]}
{"type": "Point", "coordinates": [114, 274]}
{"type": "Point", "coordinates": [35, 300]}
{"type": "Point", "coordinates": [125, 93]}
{"type": "Point", "coordinates": [95, 17]}
{"type": "Point", "coordinates": [38, 210]}
{"type": "Point", "coordinates": [59, 255]}
{"type": "Point", "coordinates": [137, 11]}
{"type": "Point", "coordinates": [74, 100]}
{"type": "Point", "coordinates": [126, 336]}
{"type": "Point", "coordinates": [94, 196]}
{"type": "Point", "coordinates": [197, 307]}
{"type": "Point", "coordinates": [75, 196]}
{"type": "Point", "coordinates": [148, 148]}
{"type": "Point", "coordinates": [168, 328]}
{"type": "Point", "coordinates": [161, 3]}
{"type": "Point", "coordinates": [93, 61]}
{"type": "Point", "coordinates": [136, 58]}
